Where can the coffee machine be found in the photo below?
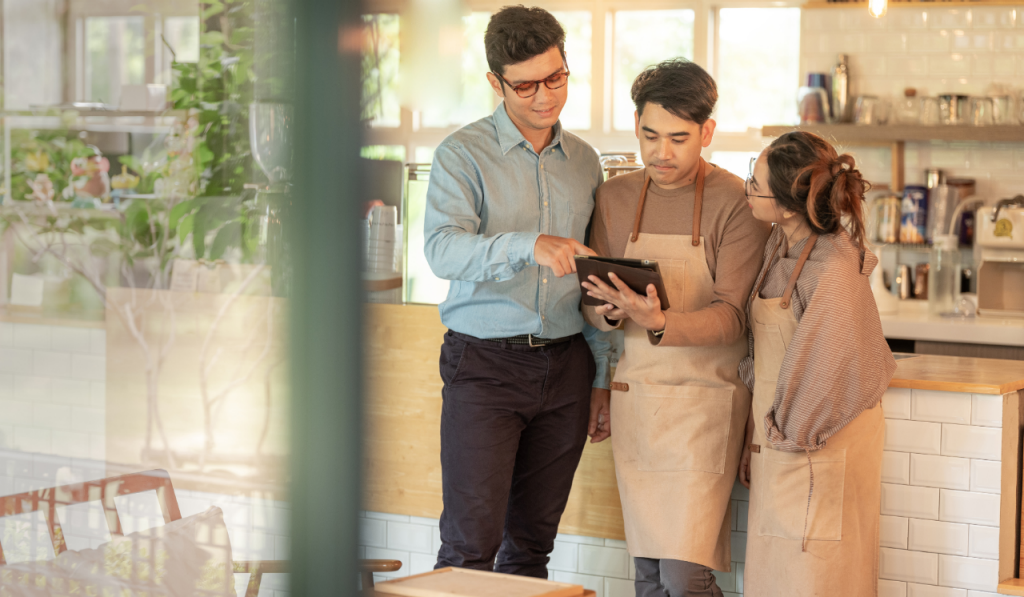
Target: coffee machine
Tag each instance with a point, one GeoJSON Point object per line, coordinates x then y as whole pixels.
{"type": "Point", "coordinates": [1000, 244]}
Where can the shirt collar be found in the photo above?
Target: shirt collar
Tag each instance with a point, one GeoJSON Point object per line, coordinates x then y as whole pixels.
{"type": "Point", "coordinates": [510, 137]}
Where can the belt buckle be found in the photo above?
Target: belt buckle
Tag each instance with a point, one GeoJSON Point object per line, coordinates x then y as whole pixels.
{"type": "Point", "coordinates": [529, 340]}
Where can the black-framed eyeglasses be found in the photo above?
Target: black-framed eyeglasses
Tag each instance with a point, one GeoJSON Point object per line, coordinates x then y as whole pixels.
{"type": "Point", "coordinates": [530, 88]}
{"type": "Point", "coordinates": [746, 183]}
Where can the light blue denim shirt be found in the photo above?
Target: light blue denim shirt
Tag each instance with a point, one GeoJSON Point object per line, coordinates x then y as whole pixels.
{"type": "Point", "coordinates": [490, 197]}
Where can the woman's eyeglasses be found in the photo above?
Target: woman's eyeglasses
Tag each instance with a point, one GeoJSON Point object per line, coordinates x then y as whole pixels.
{"type": "Point", "coordinates": [746, 183]}
{"type": "Point", "coordinates": [530, 88]}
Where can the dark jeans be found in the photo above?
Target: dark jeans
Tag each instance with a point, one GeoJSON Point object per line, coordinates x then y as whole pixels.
{"type": "Point", "coordinates": [513, 426]}
{"type": "Point", "coordinates": [674, 578]}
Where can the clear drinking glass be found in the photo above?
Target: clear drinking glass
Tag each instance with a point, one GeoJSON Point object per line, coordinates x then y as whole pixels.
{"type": "Point", "coordinates": [981, 111]}
{"type": "Point", "coordinates": [929, 111]}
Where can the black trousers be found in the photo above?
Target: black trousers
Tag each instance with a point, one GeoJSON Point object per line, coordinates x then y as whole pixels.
{"type": "Point", "coordinates": [513, 427]}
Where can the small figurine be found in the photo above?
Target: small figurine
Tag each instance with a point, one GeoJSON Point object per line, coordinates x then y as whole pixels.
{"type": "Point", "coordinates": [121, 183]}
{"type": "Point", "coordinates": [90, 178]}
{"type": "Point", "coordinates": [42, 189]}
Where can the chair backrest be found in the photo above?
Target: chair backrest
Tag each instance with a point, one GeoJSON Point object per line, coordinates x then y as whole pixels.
{"type": "Point", "coordinates": [103, 491]}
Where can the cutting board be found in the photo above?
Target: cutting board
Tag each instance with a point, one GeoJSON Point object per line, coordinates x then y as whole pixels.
{"type": "Point", "coordinates": [460, 582]}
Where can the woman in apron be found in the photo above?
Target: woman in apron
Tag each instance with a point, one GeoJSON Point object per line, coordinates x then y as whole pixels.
{"type": "Point", "coordinates": [818, 367]}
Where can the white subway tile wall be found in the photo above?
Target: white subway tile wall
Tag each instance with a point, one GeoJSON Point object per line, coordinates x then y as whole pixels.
{"type": "Point", "coordinates": [52, 390]}
{"type": "Point", "coordinates": [936, 50]}
{"type": "Point", "coordinates": [939, 522]}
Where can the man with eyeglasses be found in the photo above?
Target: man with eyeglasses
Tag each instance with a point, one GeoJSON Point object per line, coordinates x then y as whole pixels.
{"type": "Point", "coordinates": [508, 206]}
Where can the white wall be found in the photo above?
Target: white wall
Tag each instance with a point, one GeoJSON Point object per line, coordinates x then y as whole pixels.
{"type": "Point", "coordinates": [33, 41]}
{"type": "Point", "coordinates": [935, 49]}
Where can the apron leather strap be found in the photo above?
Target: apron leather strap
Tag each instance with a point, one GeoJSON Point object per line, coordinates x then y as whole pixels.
{"type": "Point", "coordinates": [788, 294]}
{"type": "Point", "coordinates": [698, 200]}
{"type": "Point", "coordinates": [639, 211]}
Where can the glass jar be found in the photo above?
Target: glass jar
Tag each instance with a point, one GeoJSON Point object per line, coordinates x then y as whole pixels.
{"type": "Point", "coordinates": [908, 110]}
{"type": "Point", "coordinates": [944, 275]}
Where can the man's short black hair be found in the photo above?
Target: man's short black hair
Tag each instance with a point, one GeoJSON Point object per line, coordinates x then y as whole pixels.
{"type": "Point", "coordinates": [678, 85]}
{"type": "Point", "coordinates": [516, 33]}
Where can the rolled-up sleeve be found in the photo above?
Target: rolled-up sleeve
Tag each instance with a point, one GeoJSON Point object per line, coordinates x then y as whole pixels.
{"type": "Point", "coordinates": [453, 247]}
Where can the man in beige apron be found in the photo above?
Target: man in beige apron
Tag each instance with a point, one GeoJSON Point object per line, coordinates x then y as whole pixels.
{"type": "Point", "coordinates": [807, 539]}
{"type": "Point", "coordinates": [678, 408]}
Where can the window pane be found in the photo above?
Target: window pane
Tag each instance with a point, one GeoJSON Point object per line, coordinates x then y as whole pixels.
{"type": "Point", "coordinates": [737, 162]}
{"type": "Point", "coordinates": [643, 38]}
{"type": "Point", "coordinates": [421, 285]}
{"type": "Point", "coordinates": [383, 152]}
{"type": "Point", "coordinates": [380, 70]}
{"type": "Point", "coordinates": [577, 25]}
{"type": "Point", "coordinates": [759, 66]}
{"type": "Point", "coordinates": [114, 56]}
{"type": "Point", "coordinates": [478, 99]}
{"type": "Point", "coordinates": [182, 34]}
{"type": "Point", "coordinates": [424, 155]}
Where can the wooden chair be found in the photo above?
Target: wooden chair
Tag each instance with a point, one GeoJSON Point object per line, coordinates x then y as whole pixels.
{"type": "Point", "coordinates": [105, 490]}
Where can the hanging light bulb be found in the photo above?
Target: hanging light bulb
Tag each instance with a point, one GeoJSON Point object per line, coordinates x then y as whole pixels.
{"type": "Point", "coordinates": [877, 8]}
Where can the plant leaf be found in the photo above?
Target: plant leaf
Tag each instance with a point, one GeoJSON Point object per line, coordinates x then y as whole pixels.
{"type": "Point", "coordinates": [229, 234]}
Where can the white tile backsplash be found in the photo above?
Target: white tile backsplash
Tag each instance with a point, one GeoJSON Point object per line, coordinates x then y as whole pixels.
{"type": "Point", "coordinates": [893, 531]}
{"type": "Point", "coordinates": [373, 533]}
{"type": "Point", "coordinates": [967, 441]}
{"type": "Point", "coordinates": [938, 537]}
{"type": "Point", "coordinates": [918, 437]}
{"type": "Point", "coordinates": [891, 588]}
{"type": "Point", "coordinates": [968, 573]}
{"type": "Point", "coordinates": [984, 542]}
{"type": "Point", "coordinates": [987, 410]}
{"type": "Point", "coordinates": [406, 536]}
{"type": "Point", "coordinates": [986, 476]}
{"type": "Point", "coordinates": [896, 403]}
{"type": "Point", "coordinates": [916, 590]}
{"type": "Point", "coordinates": [909, 566]}
{"type": "Point", "coordinates": [969, 507]}
{"type": "Point", "coordinates": [565, 556]}
{"type": "Point", "coordinates": [940, 471]}
{"type": "Point", "coordinates": [910, 501]}
{"type": "Point", "coordinates": [603, 561]}
{"type": "Point", "coordinates": [941, 407]}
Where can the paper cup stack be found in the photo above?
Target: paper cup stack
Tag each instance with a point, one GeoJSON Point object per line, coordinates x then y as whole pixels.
{"type": "Point", "coordinates": [382, 242]}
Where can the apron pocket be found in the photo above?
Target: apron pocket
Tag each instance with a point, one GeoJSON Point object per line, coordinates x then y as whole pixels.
{"type": "Point", "coordinates": [681, 428]}
{"type": "Point", "coordinates": [769, 350]}
{"type": "Point", "coordinates": [783, 486]}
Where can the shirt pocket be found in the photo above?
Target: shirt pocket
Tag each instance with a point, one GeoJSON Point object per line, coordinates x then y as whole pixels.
{"type": "Point", "coordinates": [681, 428]}
{"type": "Point", "coordinates": [783, 482]}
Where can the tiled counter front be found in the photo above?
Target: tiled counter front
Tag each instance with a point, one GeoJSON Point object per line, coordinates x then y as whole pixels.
{"type": "Point", "coordinates": [939, 522]}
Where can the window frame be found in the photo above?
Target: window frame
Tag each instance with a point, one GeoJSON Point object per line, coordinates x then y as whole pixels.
{"type": "Point", "coordinates": [601, 134]}
{"type": "Point", "coordinates": [80, 10]}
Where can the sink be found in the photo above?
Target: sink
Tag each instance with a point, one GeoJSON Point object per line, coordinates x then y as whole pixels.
{"type": "Point", "coordinates": [903, 355]}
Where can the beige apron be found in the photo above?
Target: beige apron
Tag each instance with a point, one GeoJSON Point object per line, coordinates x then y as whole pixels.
{"type": "Point", "coordinates": [840, 520]}
{"type": "Point", "coordinates": [678, 415]}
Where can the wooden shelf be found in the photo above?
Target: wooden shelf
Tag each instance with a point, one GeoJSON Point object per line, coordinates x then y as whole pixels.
{"type": "Point", "coordinates": [852, 134]}
{"type": "Point", "coordinates": [896, 136]}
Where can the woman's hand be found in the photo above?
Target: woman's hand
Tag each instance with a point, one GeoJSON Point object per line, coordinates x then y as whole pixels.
{"type": "Point", "coordinates": [744, 472]}
{"type": "Point", "coordinates": [623, 303]}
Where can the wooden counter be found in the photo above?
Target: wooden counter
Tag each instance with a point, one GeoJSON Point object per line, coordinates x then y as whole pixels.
{"type": "Point", "coordinates": [403, 413]}
{"type": "Point", "coordinates": [959, 374]}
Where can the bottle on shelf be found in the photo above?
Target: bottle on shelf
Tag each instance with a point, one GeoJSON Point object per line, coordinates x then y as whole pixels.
{"type": "Point", "coordinates": [841, 90]}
